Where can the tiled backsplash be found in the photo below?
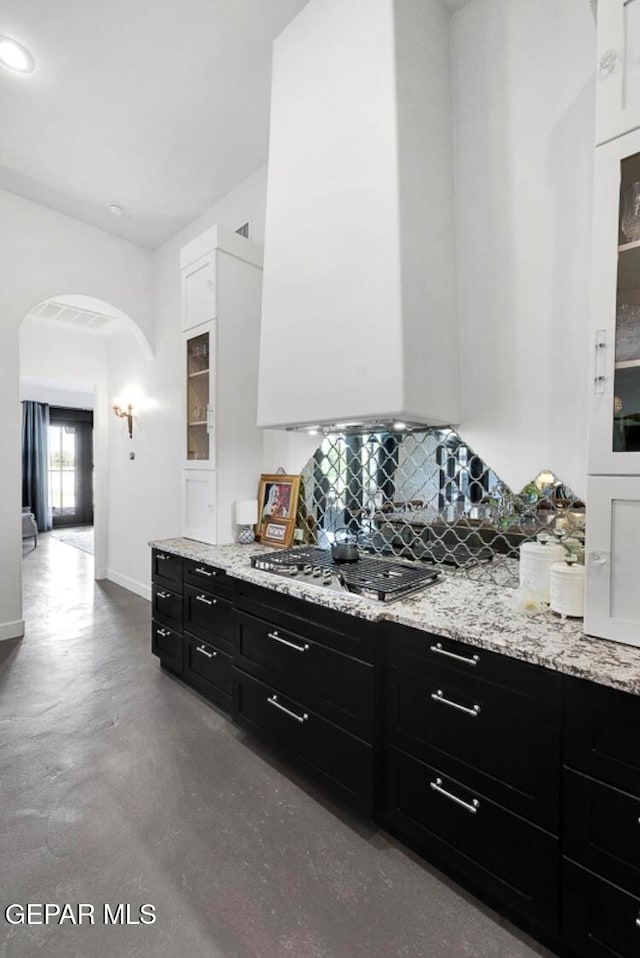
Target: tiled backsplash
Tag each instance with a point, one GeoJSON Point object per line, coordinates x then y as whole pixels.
{"type": "Point", "coordinates": [426, 495]}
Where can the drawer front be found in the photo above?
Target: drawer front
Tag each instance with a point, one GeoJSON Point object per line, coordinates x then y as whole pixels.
{"type": "Point", "coordinates": [166, 569]}
{"type": "Point", "coordinates": [348, 634]}
{"type": "Point", "coordinates": [494, 731]}
{"type": "Point", "coordinates": [209, 617]}
{"type": "Point", "coordinates": [337, 686]}
{"type": "Point", "coordinates": [339, 759]}
{"type": "Point", "coordinates": [429, 655]}
{"type": "Point", "coordinates": [208, 669]}
{"type": "Point", "coordinates": [166, 606]}
{"type": "Point", "coordinates": [207, 577]}
{"type": "Point", "coordinates": [598, 919]}
{"type": "Point", "coordinates": [601, 830]}
{"type": "Point", "coordinates": [507, 860]}
{"type": "Point", "coordinates": [167, 645]}
{"type": "Point", "coordinates": [602, 729]}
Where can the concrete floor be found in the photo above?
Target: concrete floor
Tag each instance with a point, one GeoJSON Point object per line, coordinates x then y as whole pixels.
{"type": "Point", "coordinates": [119, 784]}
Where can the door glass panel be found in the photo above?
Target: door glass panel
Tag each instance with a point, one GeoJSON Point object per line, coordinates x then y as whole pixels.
{"type": "Point", "coordinates": [198, 354]}
{"type": "Point", "coordinates": [626, 403]}
{"type": "Point", "coordinates": [62, 469]}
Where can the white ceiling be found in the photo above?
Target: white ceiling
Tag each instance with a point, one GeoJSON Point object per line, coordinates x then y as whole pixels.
{"type": "Point", "coordinates": [161, 106]}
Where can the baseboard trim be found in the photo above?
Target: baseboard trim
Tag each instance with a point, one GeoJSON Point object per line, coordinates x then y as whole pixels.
{"type": "Point", "coordinates": [11, 630]}
{"type": "Point", "coordinates": [131, 584]}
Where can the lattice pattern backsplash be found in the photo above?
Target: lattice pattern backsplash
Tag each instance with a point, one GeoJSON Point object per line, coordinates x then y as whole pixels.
{"type": "Point", "coordinates": [427, 496]}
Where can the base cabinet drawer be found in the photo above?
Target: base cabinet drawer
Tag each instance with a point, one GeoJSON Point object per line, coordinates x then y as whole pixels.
{"type": "Point", "coordinates": [602, 733]}
{"type": "Point", "coordinates": [207, 577]}
{"type": "Point", "coordinates": [166, 606]}
{"type": "Point", "coordinates": [208, 670]}
{"type": "Point", "coordinates": [339, 687]}
{"type": "Point", "coordinates": [167, 645]}
{"type": "Point", "coordinates": [507, 861]}
{"type": "Point", "coordinates": [166, 569]}
{"type": "Point", "coordinates": [599, 920]}
{"type": "Point", "coordinates": [209, 617]}
{"type": "Point", "coordinates": [601, 830]}
{"type": "Point", "coordinates": [336, 757]}
{"type": "Point", "coordinates": [485, 727]}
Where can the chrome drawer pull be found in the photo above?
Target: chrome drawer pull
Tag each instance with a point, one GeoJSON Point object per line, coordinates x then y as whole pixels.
{"type": "Point", "coordinates": [163, 595]}
{"type": "Point", "coordinates": [299, 718]}
{"type": "Point", "coordinates": [161, 555]}
{"type": "Point", "coordinates": [203, 651]}
{"type": "Point", "coordinates": [203, 598]}
{"type": "Point", "coordinates": [468, 806]}
{"type": "Point", "coordinates": [163, 632]}
{"type": "Point", "coordinates": [439, 697]}
{"type": "Point", "coordinates": [202, 571]}
{"type": "Point", "coordinates": [291, 645]}
{"type": "Point", "coordinates": [473, 660]}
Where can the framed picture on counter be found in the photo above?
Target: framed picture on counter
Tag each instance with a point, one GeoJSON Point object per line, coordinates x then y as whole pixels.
{"type": "Point", "coordinates": [277, 507]}
{"type": "Point", "coordinates": [277, 532]}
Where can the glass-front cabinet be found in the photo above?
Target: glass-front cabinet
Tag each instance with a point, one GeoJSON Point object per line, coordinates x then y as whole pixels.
{"type": "Point", "coordinates": [615, 404]}
{"type": "Point", "coordinates": [200, 393]}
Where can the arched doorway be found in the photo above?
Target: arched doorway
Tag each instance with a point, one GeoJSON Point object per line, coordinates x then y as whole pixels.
{"type": "Point", "coordinates": [65, 363]}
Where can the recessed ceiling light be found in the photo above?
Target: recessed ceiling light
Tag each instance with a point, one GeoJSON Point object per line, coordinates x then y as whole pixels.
{"type": "Point", "coordinates": [399, 426]}
{"type": "Point", "coordinates": [15, 56]}
{"type": "Point", "coordinates": [116, 209]}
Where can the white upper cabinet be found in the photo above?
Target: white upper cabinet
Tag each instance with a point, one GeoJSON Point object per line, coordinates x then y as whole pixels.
{"type": "Point", "coordinates": [612, 608]}
{"type": "Point", "coordinates": [198, 294]}
{"type": "Point", "coordinates": [614, 438]}
{"type": "Point", "coordinates": [618, 81]}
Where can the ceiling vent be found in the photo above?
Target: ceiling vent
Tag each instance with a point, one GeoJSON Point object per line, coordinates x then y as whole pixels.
{"type": "Point", "coordinates": [85, 320]}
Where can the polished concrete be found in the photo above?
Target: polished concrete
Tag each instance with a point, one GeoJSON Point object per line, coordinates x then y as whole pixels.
{"type": "Point", "coordinates": [119, 784]}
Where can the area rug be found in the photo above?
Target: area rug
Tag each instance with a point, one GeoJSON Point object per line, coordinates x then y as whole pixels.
{"type": "Point", "coordinates": [78, 537]}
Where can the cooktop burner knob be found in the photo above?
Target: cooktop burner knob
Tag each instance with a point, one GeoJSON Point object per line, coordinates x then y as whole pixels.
{"type": "Point", "coordinates": [307, 569]}
{"type": "Point", "coordinates": [317, 572]}
{"type": "Point", "coordinates": [327, 577]}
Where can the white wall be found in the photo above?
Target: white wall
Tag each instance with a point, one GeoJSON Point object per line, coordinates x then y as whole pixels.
{"type": "Point", "coordinates": [524, 133]}
{"type": "Point", "coordinates": [44, 254]}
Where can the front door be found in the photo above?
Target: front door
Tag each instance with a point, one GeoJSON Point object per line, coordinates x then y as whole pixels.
{"type": "Point", "coordinates": [71, 466]}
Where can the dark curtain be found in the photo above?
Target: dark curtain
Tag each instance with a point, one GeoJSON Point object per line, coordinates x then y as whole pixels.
{"type": "Point", "coordinates": [35, 467]}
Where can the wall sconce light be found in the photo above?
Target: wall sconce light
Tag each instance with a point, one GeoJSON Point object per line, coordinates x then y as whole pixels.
{"type": "Point", "coordinates": [126, 414]}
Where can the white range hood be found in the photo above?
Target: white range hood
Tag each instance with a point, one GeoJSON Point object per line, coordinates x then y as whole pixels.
{"type": "Point", "coordinates": [358, 314]}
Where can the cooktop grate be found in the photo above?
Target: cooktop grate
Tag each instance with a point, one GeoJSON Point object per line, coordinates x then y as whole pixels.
{"type": "Point", "coordinates": [381, 579]}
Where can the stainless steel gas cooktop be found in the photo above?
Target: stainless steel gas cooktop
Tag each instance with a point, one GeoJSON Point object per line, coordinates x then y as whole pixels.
{"type": "Point", "coordinates": [381, 579]}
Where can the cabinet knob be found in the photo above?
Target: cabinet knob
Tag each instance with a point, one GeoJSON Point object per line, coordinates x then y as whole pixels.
{"type": "Point", "coordinates": [608, 63]}
{"type": "Point", "coordinates": [598, 558]}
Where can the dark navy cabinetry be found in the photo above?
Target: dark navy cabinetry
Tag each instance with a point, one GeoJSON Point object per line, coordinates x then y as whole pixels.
{"type": "Point", "coordinates": [519, 782]}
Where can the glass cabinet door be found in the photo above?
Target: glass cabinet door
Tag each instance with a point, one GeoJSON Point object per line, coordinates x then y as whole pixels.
{"type": "Point", "coordinates": [626, 379]}
{"type": "Point", "coordinates": [199, 387]}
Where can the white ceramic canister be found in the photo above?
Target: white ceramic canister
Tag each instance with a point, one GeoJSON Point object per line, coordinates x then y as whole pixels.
{"type": "Point", "coordinates": [536, 559]}
{"type": "Point", "coordinates": [567, 588]}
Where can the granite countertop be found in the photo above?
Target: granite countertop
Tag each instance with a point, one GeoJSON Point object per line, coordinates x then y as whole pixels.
{"type": "Point", "coordinates": [477, 613]}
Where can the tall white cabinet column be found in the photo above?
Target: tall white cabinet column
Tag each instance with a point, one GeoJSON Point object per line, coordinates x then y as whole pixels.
{"type": "Point", "coordinates": [612, 607]}
{"type": "Point", "coordinates": [221, 279]}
